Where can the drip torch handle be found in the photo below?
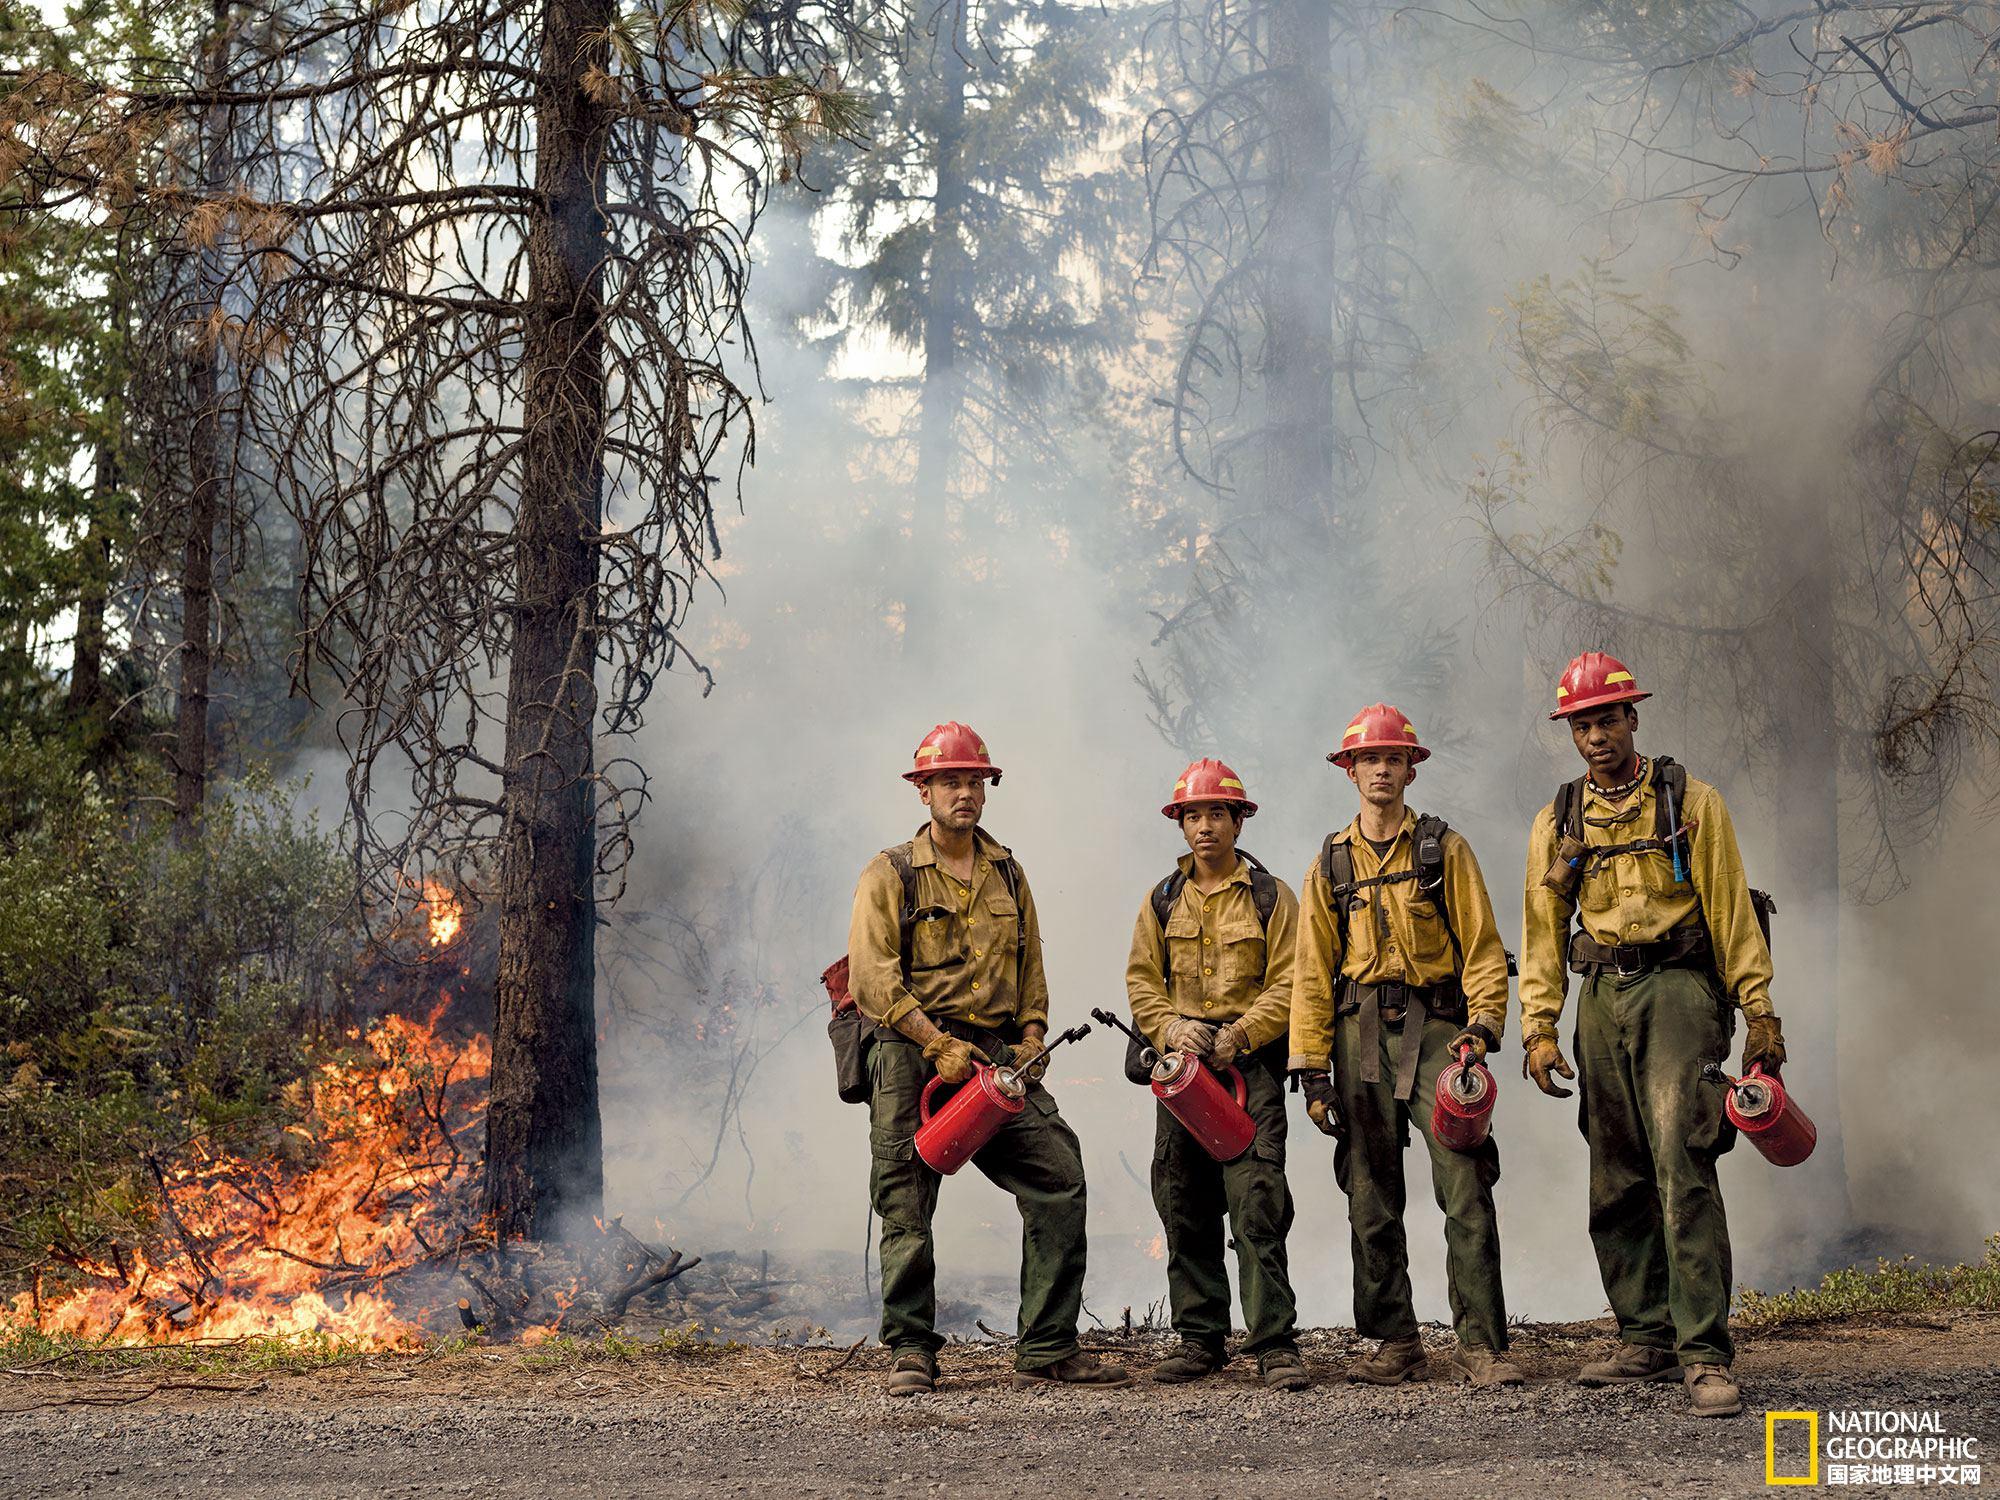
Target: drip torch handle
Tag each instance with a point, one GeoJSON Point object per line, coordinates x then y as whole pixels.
{"type": "Point", "coordinates": [1148, 1053]}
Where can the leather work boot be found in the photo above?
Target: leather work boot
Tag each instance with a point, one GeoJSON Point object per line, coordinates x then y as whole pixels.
{"type": "Point", "coordinates": [1188, 1361]}
{"type": "Point", "coordinates": [1628, 1364]}
{"type": "Point", "coordinates": [1484, 1367]}
{"type": "Point", "coordinates": [1712, 1391]}
{"type": "Point", "coordinates": [1393, 1362]}
{"type": "Point", "coordinates": [1282, 1369]}
{"type": "Point", "coordinates": [913, 1372]}
{"type": "Point", "coordinates": [1078, 1369]}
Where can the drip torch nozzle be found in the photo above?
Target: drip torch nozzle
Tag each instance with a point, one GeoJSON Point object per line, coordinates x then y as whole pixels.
{"type": "Point", "coordinates": [1148, 1053]}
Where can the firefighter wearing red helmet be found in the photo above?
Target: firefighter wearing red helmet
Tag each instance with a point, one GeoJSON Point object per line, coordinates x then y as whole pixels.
{"type": "Point", "coordinates": [945, 959]}
{"type": "Point", "coordinates": [1669, 943]}
{"type": "Point", "coordinates": [1399, 969]}
{"type": "Point", "coordinates": [1210, 973]}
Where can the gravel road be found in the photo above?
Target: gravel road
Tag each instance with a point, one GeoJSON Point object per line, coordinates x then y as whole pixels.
{"type": "Point", "coordinates": [512, 1423]}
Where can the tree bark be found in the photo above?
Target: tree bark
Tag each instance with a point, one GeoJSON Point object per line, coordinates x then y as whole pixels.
{"type": "Point", "coordinates": [544, 1136]}
{"type": "Point", "coordinates": [205, 477]}
{"type": "Point", "coordinates": [1299, 277]}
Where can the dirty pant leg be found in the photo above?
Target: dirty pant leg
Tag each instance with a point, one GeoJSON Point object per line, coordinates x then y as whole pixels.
{"type": "Point", "coordinates": [904, 1192]}
{"type": "Point", "coordinates": [1036, 1158]}
{"type": "Point", "coordinates": [1463, 1183]}
{"type": "Point", "coordinates": [1260, 1215]}
{"type": "Point", "coordinates": [1655, 1128]}
{"type": "Point", "coordinates": [1369, 1166]}
{"type": "Point", "coordinates": [1187, 1191]}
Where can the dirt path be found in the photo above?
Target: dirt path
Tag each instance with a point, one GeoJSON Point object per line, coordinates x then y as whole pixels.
{"type": "Point", "coordinates": [509, 1423]}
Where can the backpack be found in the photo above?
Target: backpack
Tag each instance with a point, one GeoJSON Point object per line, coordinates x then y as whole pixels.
{"type": "Point", "coordinates": [1263, 895]}
{"type": "Point", "coordinates": [848, 1029]}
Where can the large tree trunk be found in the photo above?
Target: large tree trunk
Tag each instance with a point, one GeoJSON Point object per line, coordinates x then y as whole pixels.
{"type": "Point", "coordinates": [1299, 279]}
{"type": "Point", "coordinates": [205, 476]}
{"type": "Point", "coordinates": [86, 672]}
{"type": "Point", "coordinates": [544, 1136]}
{"type": "Point", "coordinates": [941, 396]}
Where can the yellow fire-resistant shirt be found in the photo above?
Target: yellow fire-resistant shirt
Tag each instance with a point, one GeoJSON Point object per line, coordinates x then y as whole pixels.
{"type": "Point", "coordinates": [1394, 936]}
{"type": "Point", "coordinates": [962, 950]}
{"type": "Point", "coordinates": [1632, 898]}
{"type": "Point", "coordinates": [1227, 966]}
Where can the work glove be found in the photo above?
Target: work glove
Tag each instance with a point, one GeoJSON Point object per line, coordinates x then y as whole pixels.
{"type": "Point", "coordinates": [1229, 1041]}
{"type": "Point", "coordinates": [1322, 1104]}
{"type": "Point", "coordinates": [1478, 1038]}
{"type": "Point", "coordinates": [1763, 1042]}
{"type": "Point", "coordinates": [1544, 1060]}
{"type": "Point", "coordinates": [1188, 1035]}
{"type": "Point", "coordinates": [1027, 1059]}
{"type": "Point", "coordinates": [953, 1058]}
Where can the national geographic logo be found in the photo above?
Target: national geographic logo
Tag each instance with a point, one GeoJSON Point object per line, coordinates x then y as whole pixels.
{"type": "Point", "coordinates": [1867, 1448]}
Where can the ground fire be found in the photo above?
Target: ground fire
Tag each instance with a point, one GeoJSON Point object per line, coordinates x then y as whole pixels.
{"type": "Point", "coordinates": [376, 1181]}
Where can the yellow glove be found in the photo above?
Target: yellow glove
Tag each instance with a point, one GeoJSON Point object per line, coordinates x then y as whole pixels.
{"type": "Point", "coordinates": [1188, 1035]}
{"type": "Point", "coordinates": [1763, 1042]}
{"type": "Point", "coordinates": [1230, 1042]}
{"type": "Point", "coordinates": [1026, 1056]}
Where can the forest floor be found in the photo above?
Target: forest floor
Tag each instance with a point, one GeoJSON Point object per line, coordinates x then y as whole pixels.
{"type": "Point", "coordinates": [691, 1419]}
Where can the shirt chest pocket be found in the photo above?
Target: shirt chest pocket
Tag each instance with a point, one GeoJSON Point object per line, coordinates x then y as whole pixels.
{"type": "Point", "coordinates": [1428, 940]}
{"type": "Point", "coordinates": [1185, 950]}
{"type": "Point", "coordinates": [996, 925]}
{"type": "Point", "coordinates": [1241, 940]}
{"type": "Point", "coordinates": [936, 940]}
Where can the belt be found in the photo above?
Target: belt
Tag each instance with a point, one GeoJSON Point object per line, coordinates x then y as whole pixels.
{"type": "Point", "coordinates": [1394, 1005]}
{"type": "Point", "coordinates": [1683, 948]}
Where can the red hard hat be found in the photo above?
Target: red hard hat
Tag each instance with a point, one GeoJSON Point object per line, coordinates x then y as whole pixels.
{"type": "Point", "coordinates": [1209, 781]}
{"type": "Point", "coordinates": [1594, 680]}
{"type": "Point", "coordinates": [951, 746]}
{"type": "Point", "coordinates": [1379, 726]}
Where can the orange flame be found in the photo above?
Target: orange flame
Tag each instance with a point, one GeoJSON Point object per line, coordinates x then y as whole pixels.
{"type": "Point", "coordinates": [248, 1248]}
{"type": "Point", "coordinates": [444, 913]}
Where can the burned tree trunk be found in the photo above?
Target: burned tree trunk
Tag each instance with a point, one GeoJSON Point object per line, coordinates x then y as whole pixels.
{"type": "Point", "coordinates": [544, 1141]}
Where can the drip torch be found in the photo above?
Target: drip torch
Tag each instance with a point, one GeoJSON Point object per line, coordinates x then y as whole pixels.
{"type": "Point", "coordinates": [1195, 1095]}
{"type": "Point", "coordinates": [1463, 1114]}
{"type": "Point", "coordinates": [1759, 1106]}
{"type": "Point", "coordinates": [972, 1116]}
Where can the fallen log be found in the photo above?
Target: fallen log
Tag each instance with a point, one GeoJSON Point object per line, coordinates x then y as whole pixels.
{"type": "Point", "coordinates": [647, 1281]}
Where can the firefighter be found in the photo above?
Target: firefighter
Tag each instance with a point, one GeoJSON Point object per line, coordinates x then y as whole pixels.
{"type": "Point", "coordinates": [1211, 974]}
{"type": "Point", "coordinates": [1399, 974]}
{"type": "Point", "coordinates": [1668, 944]}
{"type": "Point", "coordinates": [945, 957]}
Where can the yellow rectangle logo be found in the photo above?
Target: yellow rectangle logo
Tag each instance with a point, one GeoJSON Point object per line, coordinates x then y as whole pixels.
{"type": "Point", "coordinates": [1771, 1421]}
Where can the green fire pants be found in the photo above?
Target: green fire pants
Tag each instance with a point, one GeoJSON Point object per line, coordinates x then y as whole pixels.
{"type": "Point", "coordinates": [1369, 1165]}
{"type": "Point", "coordinates": [1193, 1191]}
{"type": "Point", "coordinates": [1035, 1157]}
{"type": "Point", "coordinates": [1655, 1128]}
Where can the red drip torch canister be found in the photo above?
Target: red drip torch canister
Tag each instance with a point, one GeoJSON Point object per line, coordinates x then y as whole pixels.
{"type": "Point", "coordinates": [1195, 1096]}
{"type": "Point", "coordinates": [970, 1118]}
{"type": "Point", "coordinates": [1758, 1106]}
{"type": "Point", "coordinates": [1463, 1114]}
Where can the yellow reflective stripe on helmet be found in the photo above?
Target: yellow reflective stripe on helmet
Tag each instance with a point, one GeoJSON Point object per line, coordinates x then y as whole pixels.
{"type": "Point", "coordinates": [1232, 781]}
{"type": "Point", "coordinates": [1617, 677]}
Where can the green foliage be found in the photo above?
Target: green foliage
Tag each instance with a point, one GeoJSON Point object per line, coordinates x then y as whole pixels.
{"type": "Point", "coordinates": [1899, 1286]}
{"type": "Point", "coordinates": [148, 994]}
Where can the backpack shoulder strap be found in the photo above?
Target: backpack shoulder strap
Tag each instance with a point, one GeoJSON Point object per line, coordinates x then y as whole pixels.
{"type": "Point", "coordinates": [1263, 888]}
{"type": "Point", "coordinates": [1336, 867]}
{"type": "Point", "coordinates": [1673, 780]}
{"type": "Point", "coordinates": [1429, 860]}
{"type": "Point", "coordinates": [1569, 809]}
{"type": "Point", "coordinates": [1165, 894]}
{"type": "Point", "coordinates": [898, 856]}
